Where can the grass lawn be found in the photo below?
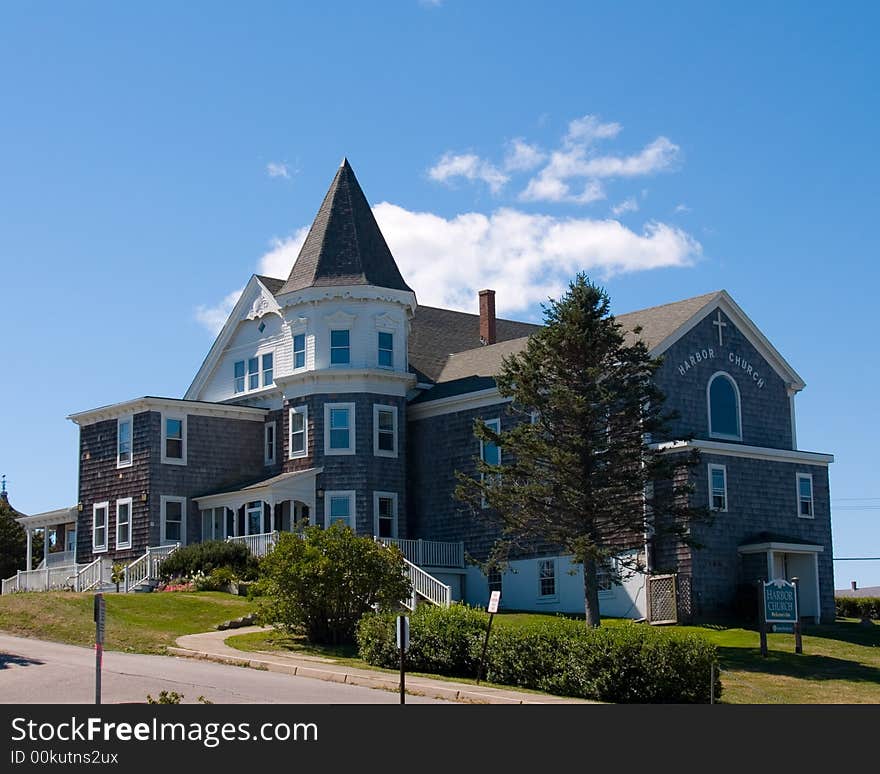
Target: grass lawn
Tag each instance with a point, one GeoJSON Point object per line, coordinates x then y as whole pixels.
{"type": "Point", "coordinates": [137, 623]}
{"type": "Point", "coordinates": [840, 663]}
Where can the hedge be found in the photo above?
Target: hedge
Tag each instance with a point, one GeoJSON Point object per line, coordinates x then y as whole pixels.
{"type": "Point", "coordinates": [633, 663]}
{"type": "Point", "coordinates": [208, 556]}
{"type": "Point", "coordinates": [857, 607]}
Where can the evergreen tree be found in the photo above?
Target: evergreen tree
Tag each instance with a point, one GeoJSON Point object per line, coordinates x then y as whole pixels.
{"type": "Point", "coordinates": [13, 541]}
{"type": "Point", "coordinates": [578, 472]}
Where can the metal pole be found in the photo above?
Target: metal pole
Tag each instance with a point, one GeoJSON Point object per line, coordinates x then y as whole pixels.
{"type": "Point", "coordinates": [402, 676]}
{"type": "Point", "coordinates": [712, 683]}
{"type": "Point", "coordinates": [762, 614]}
{"type": "Point", "coordinates": [798, 643]}
{"type": "Point", "coordinates": [485, 645]}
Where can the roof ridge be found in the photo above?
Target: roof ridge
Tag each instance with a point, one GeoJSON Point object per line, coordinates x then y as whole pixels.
{"type": "Point", "coordinates": [671, 303]}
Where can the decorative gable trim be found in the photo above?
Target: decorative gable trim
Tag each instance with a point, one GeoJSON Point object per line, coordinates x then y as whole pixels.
{"type": "Point", "coordinates": [740, 319]}
{"type": "Point", "coordinates": [386, 322]}
{"type": "Point", "coordinates": [340, 319]}
{"type": "Point", "coordinates": [256, 300]}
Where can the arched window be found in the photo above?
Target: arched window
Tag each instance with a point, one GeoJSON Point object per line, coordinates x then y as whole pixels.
{"type": "Point", "coordinates": [724, 411]}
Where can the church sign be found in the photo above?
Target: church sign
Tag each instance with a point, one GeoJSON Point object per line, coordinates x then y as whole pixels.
{"type": "Point", "coordinates": [703, 354]}
{"type": "Point", "coordinates": [780, 602]}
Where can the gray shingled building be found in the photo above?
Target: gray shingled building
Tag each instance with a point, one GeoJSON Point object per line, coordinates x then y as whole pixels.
{"type": "Point", "coordinates": [334, 396]}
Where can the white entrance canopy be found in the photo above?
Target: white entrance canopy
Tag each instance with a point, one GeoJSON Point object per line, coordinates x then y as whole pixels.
{"type": "Point", "coordinates": [297, 485]}
{"type": "Point", "coordinates": [45, 521]}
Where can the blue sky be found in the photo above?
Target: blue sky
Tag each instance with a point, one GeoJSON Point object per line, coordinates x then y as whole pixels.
{"type": "Point", "coordinates": [153, 157]}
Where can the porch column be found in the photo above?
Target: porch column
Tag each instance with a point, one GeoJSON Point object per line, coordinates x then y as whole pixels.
{"type": "Point", "coordinates": [30, 545]}
{"type": "Point", "coordinates": [271, 517]}
{"type": "Point", "coordinates": [46, 546]}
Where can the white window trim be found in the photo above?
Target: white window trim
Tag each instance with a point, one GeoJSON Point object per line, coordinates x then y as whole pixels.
{"type": "Point", "coordinates": [798, 478]}
{"type": "Point", "coordinates": [172, 460]}
{"type": "Point", "coordinates": [379, 349]}
{"type": "Point", "coordinates": [350, 494]}
{"type": "Point", "coordinates": [267, 460]}
{"type": "Point", "coordinates": [263, 368]}
{"type": "Point", "coordinates": [129, 502]}
{"type": "Point", "coordinates": [304, 410]}
{"type": "Point", "coordinates": [554, 597]}
{"type": "Point", "coordinates": [100, 549]}
{"type": "Point", "coordinates": [330, 348]}
{"type": "Point", "coordinates": [377, 452]}
{"type": "Point", "coordinates": [261, 385]}
{"type": "Point", "coordinates": [247, 517]}
{"type": "Point", "coordinates": [164, 500]}
{"type": "Point", "coordinates": [739, 424]}
{"type": "Point", "coordinates": [495, 424]}
{"type": "Point", "coordinates": [611, 571]}
{"type": "Point", "coordinates": [376, 497]}
{"type": "Point", "coordinates": [352, 445]}
{"type": "Point", "coordinates": [723, 469]}
{"type": "Point", "coordinates": [305, 350]}
{"type": "Point", "coordinates": [122, 420]}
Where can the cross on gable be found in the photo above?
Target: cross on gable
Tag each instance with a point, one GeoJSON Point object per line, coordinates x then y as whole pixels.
{"type": "Point", "coordinates": [720, 324]}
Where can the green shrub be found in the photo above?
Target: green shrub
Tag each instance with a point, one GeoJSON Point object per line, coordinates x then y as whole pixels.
{"type": "Point", "coordinates": [322, 582]}
{"type": "Point", "coordinates": [208, 556]}
{"type": "Point", "coordinates": [857, 607]}
{"type": "Point", "coordinates": [631, 663]}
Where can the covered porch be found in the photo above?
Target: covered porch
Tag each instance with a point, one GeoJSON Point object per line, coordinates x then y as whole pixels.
{"type": "Point", "coordinates": [253, 513]}
{"type": "Point", "coordinates": [788, 559]}
{"type": "Point", "coordinates": [58, 565]}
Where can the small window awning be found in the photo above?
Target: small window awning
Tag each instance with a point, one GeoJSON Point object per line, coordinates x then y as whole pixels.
{"type": "Point", "coordinates": [767, 541]}
{"type": "Point", "coordinates": [296, 485]}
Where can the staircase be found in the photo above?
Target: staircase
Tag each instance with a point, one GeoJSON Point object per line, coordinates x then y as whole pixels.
{"type": "Point", "coordinates": [142, 575]}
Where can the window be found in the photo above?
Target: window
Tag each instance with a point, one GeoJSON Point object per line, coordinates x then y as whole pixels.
{"type": "Point", "coordinates": [299, 432]}
{"type": "Point", "coordinates": [605, 576]}
{"type": "Point", "coordinates": [724, 408]}
{"type": "Point", "coordinates": [100, 514]}
{"type": "Point", "coordinates": [546, 577]}
{"type": "Point", "coordinates": [213, 524]}
{"type": "Point", "coordinates": [172, 527]}
{"type": "Point", "coordinates": [123, 523]}
{"type": "Point", "coordinates": [123, 442]}
{"type": "Point", "coordinates": [494, 578]}
{"type": "Point", "coordinates": [386, 349]}
{"type": "Point", "coordinates": [269, 444]}
{"type": "Point", "coordinates": [173, 440]}
{"type": "Point", "coordinates": [253, 524]}
{"type": "Point", "coordinates": [299, 351]}
{"type": "Point", "coordinates": [718, 487]}
{"type": "Point", "coordinates": [339, 506]}
{"type": "Point", "coordinates": [385, 510]}
{"type": "Point", "coordinates": [239, 376]}
{"type": "Point", "coordinates": [339, 433]}
{"type": "Point", "coordinates": [340, 348]}
{"type": "Point", "coordinates": [805, 495]}
{"type": "Point", "coordinates": [385, 431]}
{"type": "Point", "coordinates": [489, 452]}
{"type": "Point", "coordinates": [248, 379]}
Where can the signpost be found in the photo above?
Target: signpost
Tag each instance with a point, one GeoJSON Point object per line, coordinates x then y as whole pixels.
{"type": "Point", "coordinates": [494, 599]}
{"type": "Point", "coordinates": [402, 646]}
{"type": "Point", "coordinates": [100, 617]}
{"type": "Point", "coordinates": [778, 602]}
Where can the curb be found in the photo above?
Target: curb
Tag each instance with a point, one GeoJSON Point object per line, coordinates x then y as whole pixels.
{"type": "Point", "coordinates": [414, 687]}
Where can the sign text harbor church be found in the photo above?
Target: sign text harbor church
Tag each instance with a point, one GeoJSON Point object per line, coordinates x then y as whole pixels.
{"type": "Point", "coordinates": [332, 395]}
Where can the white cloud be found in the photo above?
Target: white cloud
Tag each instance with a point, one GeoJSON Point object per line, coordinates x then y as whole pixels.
{"type": "Point", "coordinates": [525, 257]}
{"type": "Point", "coordinates": [469, 166]}
{"type": "Point", "coordinates": [521, 157]}
{"type": "Point", "coordinates": [682, 208]}
{"type": "Point", "coordinates": [657, 156]}
{"type": "Point", "coordinates": [278, 169]}
{"type": "Point", "coordinates": [586, 130]}
{"type": "Point", "coordinates": [627, 205]}
{"type": "Point", "coordinates": [213, 317]}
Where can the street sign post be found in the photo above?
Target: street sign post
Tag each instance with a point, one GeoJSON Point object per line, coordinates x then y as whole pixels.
{"type": "Point", "coordinates": [403, 647]}
{"type": "Point", "coordinates": [494, 599]}
{"type": "Point", "coordinates": [100, 618]}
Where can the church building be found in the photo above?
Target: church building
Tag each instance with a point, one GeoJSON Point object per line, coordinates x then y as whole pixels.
{"type": "Point", "coordinates": [332, 395]}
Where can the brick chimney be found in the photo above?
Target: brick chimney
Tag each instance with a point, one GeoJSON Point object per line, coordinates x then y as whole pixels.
{"type": "Point", "coordinates": [487, 317]}
{"type": "Point", "coordinates": [855, 586]}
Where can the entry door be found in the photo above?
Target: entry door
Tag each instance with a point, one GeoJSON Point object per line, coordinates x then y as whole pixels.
{"type": "Point", "coordinates": [70, 540]}
{"type": "Point", "coordinates": [780, 566]}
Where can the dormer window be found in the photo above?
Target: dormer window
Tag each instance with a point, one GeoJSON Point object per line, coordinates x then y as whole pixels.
{"type": "Point", "coordinates": [386, 349]}
{"type": "Point", "coordinates": [251, 374]}
{"type": "Point", "coordinates": [724, 408]}
{"type": "Point", "coordinates": [340, 347]}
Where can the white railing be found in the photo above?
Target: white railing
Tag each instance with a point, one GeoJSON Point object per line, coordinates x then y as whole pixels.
{"type": "Point", "coordinates": [146, 567]}
{"type": "Point", "coordinates": [45, 579]}
{"type": "Point", "coordinates": [259, 545]}
{"type": "Point", "coordinates": [91, 575]}
{"type": "Point", "coordinates": [426, 586]}
{"type": "Point", "coordinates": [429, 553]}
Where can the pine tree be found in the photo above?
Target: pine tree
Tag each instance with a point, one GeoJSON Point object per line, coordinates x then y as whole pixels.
{"type": "Point", "coordinates": [578, 473]}
{"type": "Point", "coordinates": [13, 541]}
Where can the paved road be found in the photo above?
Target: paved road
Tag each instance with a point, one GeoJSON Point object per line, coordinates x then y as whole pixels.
{"type": "Point", "coordinates": [35, 671]}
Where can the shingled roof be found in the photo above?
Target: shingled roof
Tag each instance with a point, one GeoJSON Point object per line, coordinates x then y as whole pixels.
{"type": "Point", "coordinates": [344, 245]}
{"type": "Point", "coordinates": [656, 322]}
